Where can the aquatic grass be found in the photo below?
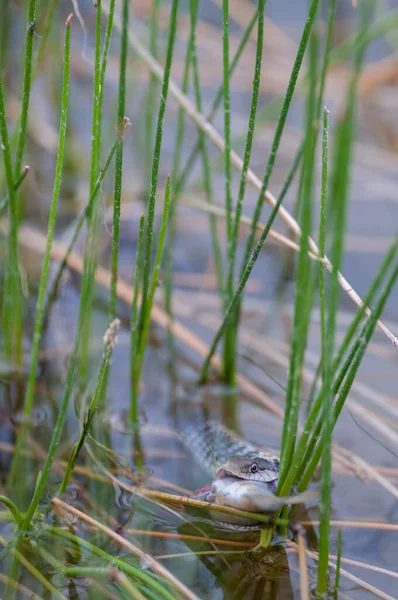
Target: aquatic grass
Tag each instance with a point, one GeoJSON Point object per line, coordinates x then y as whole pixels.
{"type": "Point", "coordinates": [93, 221]}
{"type": "Point", "coordinates": [303, 292]}
{"type": "Point", "coordinates": [362, 342]}
{"type": "Point", "coordinates": [249, 268]}
{"type": "Point", "coordinates": [339, 191]}
{"type": "Point", "coordinates": [152, 563]}
{"type": "Point", "coordinates": [126, 567]}
{"type": "Point", "coordinates": [147, 295]}
{"type": "Point", "coordinates": [328, 326]}
{"type": "Point", "coordinates": [250, 256]}
{"type": "Point", "coordinates": [12, 292]}
{"type": "Point", "coordinates": [118, 180]}
{"type": "Point", "coordinates": [217, 99]}
{"type": "Point", "coordinates": [17, 516]}
{"type": "Point", "coordinates": [338, 561]}
{"type": "Point", "coordinates": [151, 94]}
{"type": "Point", "coordinates": [17, 185]}
{"type": "Point", "coordinates": [109, 343]}
{"type": "Point", "coordinates": [179, 137]}
{"type": "Point", "coordinates": [44, 34]}
{"type": "Point", "coordinates": [206, 170]}
{"type": "Point", "coordinates": [381, 27]}
{"type": "Point", "coordinates": [84, 214]}
{"type": "Point", "coordinates": [134, 321]}
{"type": "Point", "coordinates": [31, 383]}
{"type": "Point", "coordinates": [138, 353]}
{"type": "Point", "coordinates": [104, 59]}
{"type": "Point", "coordinates": [231, 331]}
{"type": "Point", "coordinates": [26, 86]}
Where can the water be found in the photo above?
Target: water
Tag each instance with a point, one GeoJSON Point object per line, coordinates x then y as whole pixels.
{"type": "Point", "coordinates": [170, 398]}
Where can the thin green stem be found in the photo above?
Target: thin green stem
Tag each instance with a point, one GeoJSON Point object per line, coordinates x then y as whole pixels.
{"type": "Point", "coordinates": [364, 338]}
{"type": "Point", "coordinates": [151, 98]}
{"type": "Point", "coordinates": [231, 311]}
{"type": "Point", "coordinates": [216, 102]}
{"type": "Point", "coordinates": [154, 283]}
{"type": "Point", "coordinates": [27, 83]}
{"type": "Point", "coordinates": [17, 185]}
{"type": "Point", "coordinates": [231, 333]}
{"type": "Point", "coordinates": [327, 366]}
{"type": "Point", "coordinates": [84, 214]}
{"type": "Point", "coordinates": [30, 388]}
{"type": "Point", "coordinates": [13, 509]}
{"type": "Point", "coordinates": [93, 221]}
{"type": "Point", "coordinates": [44, 33]}
{"type": "Point", "coordinates": [338, 562]}
{"type": "Point", "coordinates": [280, 126]}
{"type": "Point", "coordinates": [117, 194]}
{"type": "Point", "coordinates": [207, 183]}
{"type": "Point", "coordinates": [155, 165]}
{"type": "Point", "coordinates": [12, 294]}
{"type": "Point", "coordinates": [303, 294]}
{"type": "Point", "coordinates": [126, 567]}
{"type": "Point", "coordinates": [105, 54]}
{"type": "Point", "coordinates": [134, 325]}
{"type": "Point", "coordinates": [109, 343]}
{"type": "Point", "coordinates": [229, 336]}
{"type": "Point", "coordinates": [172, 229]}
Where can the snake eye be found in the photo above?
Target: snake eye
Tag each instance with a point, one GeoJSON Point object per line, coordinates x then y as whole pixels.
{"type": "Point", "coordinates": [253, 468]}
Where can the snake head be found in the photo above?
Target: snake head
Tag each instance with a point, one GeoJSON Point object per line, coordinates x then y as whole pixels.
{"type": "Point", "coordinates": [254, 468]}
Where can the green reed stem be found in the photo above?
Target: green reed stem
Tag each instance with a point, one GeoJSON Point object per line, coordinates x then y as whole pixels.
{"type": "Point", "coordinates": [109, 343]}
{"type": "Point", "coordinates": [126, 567]}
{"type": "Point", "coordinates": [327, 335]}
{"type": "Point", "coordinates": [151, 95]}
{"type": "Point", "coordinates": [27, 83]}
{"type": "Point", "coordinates": [58, 428]}
{"type": "Point", "coordinates": [155, 165]}
{"type": "Point", "coordinates": [143, 334]}
{"type": "Point", "coordinates": [228, 373]}
{"type": "Point", "coordinates": [13, 509]}
{"type": "Point", "coordinates": [363, 340]}
{"type": "Point", "coordinates": [84, 214]}
{"type": "Point", "coordinates": [172, 229]}
{"type": "Point", "coordinates": [117, 193]}
{"type": "Point", "coordinates": [339, 191]}
{"type": "Point", "coordinates": [4, 30]}
{"type": "Point", "coordinates": [216, 102]}
{"type": "Point", "coordinates": [134, 324]}
{"type": "Point", "coordinates": [93, 222]}
{"type": "Point", "coordinates": [249, 268]}
{"type": "Point", "coordinates": [35, 572]}
{"type": "Point", "coordinates": [231, 334]}
{"type": "Point", "coordinates": [384, 25]}
{"type": "Point", "coordinates": [250, 259]}
{"type": "Point", "coordinates": [313, 427]}
{"type": "Point", "coordinates": [50, 229]}
{"type": "Point", "coordinates": [31, 384]}
{"type": "Point", "coordinates": [44, 33]}
{"type": "Point", "coordinates": [12, 294]}
{"type": "Point", "coordinates": [105, 55]}
{"type": "Point", "coordinates": [207, 183]}
{"type": "Point", "coordinates": [303, 294]}
{"type": "Point", "coordinates": [281, 124]}
{"type": "Point", "coordinates": [338, 562]}
{"type": "Point", "coordinates": [17, 185]}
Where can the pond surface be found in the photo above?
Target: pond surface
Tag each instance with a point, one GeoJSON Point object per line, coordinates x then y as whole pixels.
{"type": "Point", "coordinates": [364, 496]}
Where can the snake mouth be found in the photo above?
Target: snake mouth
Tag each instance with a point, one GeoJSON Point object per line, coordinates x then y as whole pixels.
{"type": "Point", "coordinates": [224, 473]}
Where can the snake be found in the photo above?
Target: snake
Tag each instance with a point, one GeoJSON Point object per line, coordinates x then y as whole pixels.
{"type": "Point", "coordinates": [243, 475]}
